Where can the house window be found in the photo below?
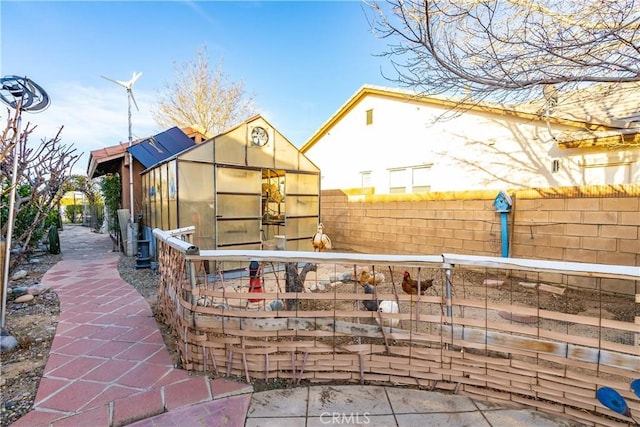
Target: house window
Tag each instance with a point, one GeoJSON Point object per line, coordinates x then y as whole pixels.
{"type": "Point", "coordinates": [369, 117]}
{"type": "Point", "coordinates": [365, 179]}
{"type": "Point", "coordinates": [398, 180]}
{"type": "Point", "coordinates": [421, 179]}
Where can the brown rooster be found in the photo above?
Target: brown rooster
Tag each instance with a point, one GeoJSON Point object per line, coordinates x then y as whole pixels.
{"type": "Point", "coordinates": [410, 286]}
{"type": "Point", "coordinates": [367, 278]}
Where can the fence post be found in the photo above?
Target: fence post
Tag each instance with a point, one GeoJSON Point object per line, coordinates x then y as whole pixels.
{"type": "Point", "coordinates": [447, 290]}
{"type": "Point", "coordinates": [193, 281]}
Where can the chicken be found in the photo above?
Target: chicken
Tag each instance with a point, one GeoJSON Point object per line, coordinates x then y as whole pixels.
{"type": "Point", "coordinates": [372, 279]}
{"type": "Point", "coordinates": [371, 305]}
{"type": "Point", "coordinates": [388, 307]}
{"type": "Point", "coordinates": [410, 286]}
{"type": "Point", "coordinates": [320, 241]}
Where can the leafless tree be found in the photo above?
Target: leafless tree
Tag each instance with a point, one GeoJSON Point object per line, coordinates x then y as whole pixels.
{"type": "Point", "coordinates": [42, 172]}
{"type": "Point", "coordinates": [507, 50]}
{"type": "Point", "coordinates": [202, 98]}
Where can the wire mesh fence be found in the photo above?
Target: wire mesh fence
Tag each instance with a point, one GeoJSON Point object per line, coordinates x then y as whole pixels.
{"type": "Point", "coordinates": [539, 333]}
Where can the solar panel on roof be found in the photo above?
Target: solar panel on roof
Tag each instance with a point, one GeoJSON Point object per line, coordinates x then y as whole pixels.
{"type": "Point", "coordinates": [160, 147]}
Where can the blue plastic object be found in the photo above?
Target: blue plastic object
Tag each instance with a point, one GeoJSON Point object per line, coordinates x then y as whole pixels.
{"type": "Point", "coordinates": [635, 386]}
{"type": "Point", "coordinates": [613, 400]}
{"type": "Point", "coordinates": [503, 204]}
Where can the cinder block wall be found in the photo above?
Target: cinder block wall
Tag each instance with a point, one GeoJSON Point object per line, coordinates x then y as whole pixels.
{"type": "Point", "coordinates": [596, 224]}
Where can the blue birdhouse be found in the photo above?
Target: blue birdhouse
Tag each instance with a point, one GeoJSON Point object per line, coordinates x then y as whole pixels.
{"type": "Point", "coordinates": [502, 202]}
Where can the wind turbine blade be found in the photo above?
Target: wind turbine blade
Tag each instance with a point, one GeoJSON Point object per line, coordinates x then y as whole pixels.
{"type": "Point", "coordinates": [118, 82]}
{"type": "Point", "coordinates": [135, 77]}
{"type": "Point", "coordinates": [133, 99]}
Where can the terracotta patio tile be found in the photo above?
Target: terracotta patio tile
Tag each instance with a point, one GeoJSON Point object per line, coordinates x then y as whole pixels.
{"type": "Point", "coordinates": [108, 332]}
{"type": "Point", "coordinates": [110, 394]}
{"type": "Point", "coordinates": [80, 346]}
{"type": "Point", "coordinates": [36, 419]}
{"type": "Point", "coordinates": [109, 349]}
{"type": "Point", "coordinates": [194, 390]}
{"type": "Point", "coordinates": [155, 337]}
{"type": "Point", "coordinates": [144, 375]}
{"type": "Point", "coordinates": [230, 412]}
{"type": "Point", "coordinates": [100, 309]}
{"type": "Point", "coordinates": [133, 309]}
{"type": "Point", "coordinates": [56, 360]}
{"type": "Point", "coordinates": [134, 321]}
{"type": "Point", "coordinates": [137, 334]}
{"type": "Point", "coordinates": [140, 351]}
{"type": "Point", "coordinates": [161, 358]}
{"type": "Point", "coordinates": [174, 376]}
{"type": "Point", "coordinates": [49, 386]}
{"type": "Point", "coordinates": [73, 397]}
{"type": "Point", "coordinates": [82, 331]}
{"type": "Point", "coordinates": [123, 291]}
{"type": "Point", "coordinates": [94, 417]}
{"type": "Point", "coordinates": [110, 319]}
{"type": "Point", "coordinates": [221, 387]}
{"type": "Point", "coordinates": [109, 371]}
{"type": "Point", "coordinates": [59, 342]}
{"type": "Point", "coordinates": [76, 368]}
{"type": "Point", "coordinates": [136, 407]}
{"type": "Point", "coordinates": [77, 318]}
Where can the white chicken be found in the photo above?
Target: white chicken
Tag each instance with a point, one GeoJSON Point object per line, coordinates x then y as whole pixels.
{"type": "Point", "coordinates": [320, 241]}
{"type": "Point", "coordinates": [388, 307]}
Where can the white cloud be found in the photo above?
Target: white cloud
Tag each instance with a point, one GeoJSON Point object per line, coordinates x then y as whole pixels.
{"type": "Point", "coordinates": [92, 117]}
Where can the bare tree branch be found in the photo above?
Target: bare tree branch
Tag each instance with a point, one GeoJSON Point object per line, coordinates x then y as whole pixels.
{"type": "Point", "coordinates": [42, 171]}
{"type": "Point", "coordinates": [202, 99]}
{"type": "Point", "coordinates": [503, 50]}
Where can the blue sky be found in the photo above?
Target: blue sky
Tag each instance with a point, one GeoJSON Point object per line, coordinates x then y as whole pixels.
{"type": "Point", "coordinates": [302, 60]}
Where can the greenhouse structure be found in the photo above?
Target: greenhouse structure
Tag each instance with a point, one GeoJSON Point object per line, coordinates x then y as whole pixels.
{"type": "Point", "coordinates": [242, 189]}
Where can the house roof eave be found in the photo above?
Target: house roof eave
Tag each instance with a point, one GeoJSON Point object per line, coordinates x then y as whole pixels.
{"type": "Point", "coordinates": [603, 139]}
{"type": "Point", "coordinates": [438, 101]}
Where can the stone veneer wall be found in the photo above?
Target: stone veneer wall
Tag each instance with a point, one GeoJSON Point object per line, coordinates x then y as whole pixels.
{"type": "Point", "coordinates": [595, 224]}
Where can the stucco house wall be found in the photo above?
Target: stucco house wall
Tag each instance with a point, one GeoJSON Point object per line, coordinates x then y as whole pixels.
{"type": "Point", "coordinates": [393, 142]}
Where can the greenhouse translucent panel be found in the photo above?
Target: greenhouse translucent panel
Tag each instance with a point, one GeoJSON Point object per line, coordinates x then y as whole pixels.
{"type": "Point", "coordinates": [234, 265]}
{"type": "Point", "coordinates": [151, 204]}
{"type": "Point", "coordinates": [231, 148]}
{"type": "Point", "coordinates": [238, 206]}
{"type": "Point", "coordinates": [156, 198]}
{"type": "Point", "coordinates": [164, 198]}
{"type": "Point", "coordinates": [301, 228]}
{"type": "Point", "coordinates": [261, 156]}
{"type": "Point", "coordinates": [233, 180]}
{"type": "Point", "coordinates": [286, 156]}
{"type": "Point", "coordinates": [238, 232]}
{"type": "Point", "coordinates": [144, 182]}
{"type": "Point", "coordinates": [300, 245]}
{"type": "Point", "coordinates": [200, 153]}
{"type": "Point", "coordinates": [298, 183]}
{"type": "Point", "coordinates": [302, 206]}
{"type": "Point", "coordinates": [204, 242]}
{"type": "Point", "coordinates": [196, 201]}
{"type": "Point", "coordinates": [173, 200]}
{"type": "Point", "coordinates": [173, 214]}
{"type": "Point", "coordinates": [306, 165]}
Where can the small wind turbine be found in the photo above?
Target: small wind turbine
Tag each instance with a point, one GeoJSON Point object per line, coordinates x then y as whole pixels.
{"type": "Point", "coordinates": [129, 87]}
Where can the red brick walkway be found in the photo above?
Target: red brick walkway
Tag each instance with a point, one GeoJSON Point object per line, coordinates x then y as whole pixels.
{"type": "Point", "coordinates": [108, 365]}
